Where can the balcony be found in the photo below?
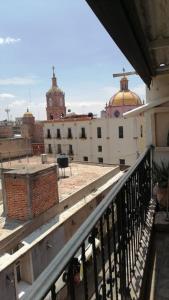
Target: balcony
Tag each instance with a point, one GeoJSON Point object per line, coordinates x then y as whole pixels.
{"type": "Point", "coordinates": [71, 153]}
{"type": "Point", "coordinates": [83, 136]}
{"type": "Point", "coordinates": [118, 234]}
{"type": "Point", "coordinates": [58, 137]}
{"type": "Point", "coordinates": [48, 136]}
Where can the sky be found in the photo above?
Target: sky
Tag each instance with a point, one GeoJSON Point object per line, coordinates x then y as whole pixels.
{"type": "Point", "coordinates": [35, 35]}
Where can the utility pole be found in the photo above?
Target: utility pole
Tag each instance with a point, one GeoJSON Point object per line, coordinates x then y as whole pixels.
{"type": "Point", "coordinates": [7, 110]}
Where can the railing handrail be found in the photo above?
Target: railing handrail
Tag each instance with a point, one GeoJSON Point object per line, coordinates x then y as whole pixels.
{"type": "Point", "coordinates": [58, 264]}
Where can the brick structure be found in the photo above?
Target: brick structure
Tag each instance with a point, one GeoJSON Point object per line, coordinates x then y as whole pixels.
{"type": "Point", "coordinates": [29, 193]}
{"type": "Point", "coordinates": [6, 131]}
{"type": "Point", "coordinates": [38, 148]}
{"type": "Point", "coordinates": [33, 131]}
{"type": "Point", "coordinates": [55, 99]}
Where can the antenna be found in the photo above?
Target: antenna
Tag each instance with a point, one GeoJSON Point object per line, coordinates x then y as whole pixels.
{"type": "Point", "coordinates": [29, 100]}
{"type": "Point", "coordinates": [7, 110]}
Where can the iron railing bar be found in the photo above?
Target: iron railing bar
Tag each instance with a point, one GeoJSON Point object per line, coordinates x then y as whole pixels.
{"type": "Point", "coordinates": [109, 252]}
{"type": "Point", "coordinates": [103, 259]}
{"type": "Point", "coordinates": [84, 272]}
{"type": "Point", "coordinates": [115, 252]}
{"type": "Point", "coordinates": [95, 268]}
{"type": "Point", "coordinates": [61, 260]}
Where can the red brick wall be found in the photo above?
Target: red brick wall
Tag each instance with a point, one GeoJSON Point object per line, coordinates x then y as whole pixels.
{"type": "Point", "coordinates": [44, 192]}
{"type": "Point", "coordinates": [38, 148]}
{"type": "Point", "coordinates": [6, 132]}
{"type": "Point", "coordinates": [16, 198]}
{"type": "Point", "coordinates": [29, 195]}
{"type": "Point", "coordinates": [38, 133]}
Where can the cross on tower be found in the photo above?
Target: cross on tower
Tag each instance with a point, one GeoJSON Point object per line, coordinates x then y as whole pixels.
{"type": "Point", "coordinates": [53, 71]}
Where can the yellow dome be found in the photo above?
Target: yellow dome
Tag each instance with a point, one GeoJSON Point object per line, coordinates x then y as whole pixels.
{"type": "Point", "coordinates": [28, 114]}
{"type": "Point", "coordinates": [125, 98]}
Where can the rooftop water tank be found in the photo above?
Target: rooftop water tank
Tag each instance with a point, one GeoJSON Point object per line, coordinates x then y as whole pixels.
{"type": "Point", "coordinates": [63, 161]}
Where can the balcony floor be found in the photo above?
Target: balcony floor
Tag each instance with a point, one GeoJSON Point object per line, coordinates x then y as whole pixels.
{"type": "Point", "coordinates": [160, 276]}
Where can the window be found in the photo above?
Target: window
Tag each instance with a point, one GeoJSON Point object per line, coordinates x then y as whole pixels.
{"type": "Point", "coordinates": [58, 135]}
{"type": "Point", "coordinates": [69, 136]}
{"type": "Point", "coordinates": [83, 133]}
{"type": "Point", "coordinates": [51, 117]}
{"type": "Point", "coordinates": [122, 161]}
{"type": "Point", "coordinates": [141, 131]}
{"type": "Point", "coordinates": [100, 160]}
{"type": "Point", "coordinates": [99, 132]}
{"type": "Point", "coordinates": [85, 158]}
{"type": "Point", "coordinates": [59, 149]}
{"type": "Point", "coordinates": [116, 113]}
{"type": "Point", "coordinates": [121, 132]}
{"type": "Point", "coordinates": [48, 134]}
{"type": "Point", "coordinates": [99, 148]}
{"type": "Point", "coordinates": [49, 148]}
{"type": "Point", "coordinates": [70, 150]}
{"type": "Point", "coordinates": [50, 102]}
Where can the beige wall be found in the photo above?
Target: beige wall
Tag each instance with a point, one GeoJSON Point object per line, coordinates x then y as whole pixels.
{"type": "Point", "coordinates": [157, 118]}
{"type": "Point", "coordinates": [14, 147]}
{"type": "Point", "coordinates": [113, 148]}
{"type": "Point", "coordinates": [162, 128]}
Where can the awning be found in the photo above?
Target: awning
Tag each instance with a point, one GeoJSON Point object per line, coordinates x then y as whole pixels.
{"type": "Point", "coordinates": [141, 109]}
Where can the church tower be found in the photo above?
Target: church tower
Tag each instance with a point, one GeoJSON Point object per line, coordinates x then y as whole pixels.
{"type": "Point", "coordinates": [55, 99]}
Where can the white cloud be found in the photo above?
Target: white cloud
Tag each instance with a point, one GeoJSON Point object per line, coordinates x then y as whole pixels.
{"type": "Point", "coordinates": [18, 103]}
{"type": "Point", "coordinates": [6, 96]}
{"type": "Point", "coordinates": [8, 40]}
{"type": "Point", "coordinates": [18, 81]}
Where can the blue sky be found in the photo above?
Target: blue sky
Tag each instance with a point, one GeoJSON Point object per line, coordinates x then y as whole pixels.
{"type": "Point", "coordinates": [34, 35]}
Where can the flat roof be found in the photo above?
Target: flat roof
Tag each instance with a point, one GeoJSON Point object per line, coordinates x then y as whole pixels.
{"type": "Point", "coordinates": [77, 176]}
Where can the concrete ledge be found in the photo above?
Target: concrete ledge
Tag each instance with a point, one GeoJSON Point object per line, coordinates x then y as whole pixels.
{"type": "Point", "coordinates": [28, 227]}
{"type": "Point", "coordinates": [85, 191]}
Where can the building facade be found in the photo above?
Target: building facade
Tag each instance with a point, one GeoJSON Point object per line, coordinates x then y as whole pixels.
{"type": "Point", "coordinates": [105, 140]}
{"type": "Point", "coordinates": [123, 101]}
{"type": "Point", "coordinates": [110, 139]}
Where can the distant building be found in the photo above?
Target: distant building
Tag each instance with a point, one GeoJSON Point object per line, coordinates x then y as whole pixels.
{"type": "Point", "coordinates": [33, 131]}
{"type": "Point", "coordinates": [123, 101]}
{"type": "Point", "coordinates": [55, 99]}
{"type": "Point", "coordinates": [110, 139]}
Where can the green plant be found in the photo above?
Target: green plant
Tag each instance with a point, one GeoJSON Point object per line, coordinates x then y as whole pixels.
{"type": "Point", "coordinates": [161, 174]}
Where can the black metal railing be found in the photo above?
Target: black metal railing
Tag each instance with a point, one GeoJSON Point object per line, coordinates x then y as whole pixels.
{"type": "Point", "coordinates": [98, 261]}
{"type": "Point", "coordinates": [83, 136]}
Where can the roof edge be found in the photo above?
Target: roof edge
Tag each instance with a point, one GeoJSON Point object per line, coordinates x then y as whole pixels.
{"type": "Point", "coordinates": [145, 107]}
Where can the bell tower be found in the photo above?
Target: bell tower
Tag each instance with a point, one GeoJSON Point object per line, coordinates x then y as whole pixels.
{"type": "Point", "coordinates": [55, 99]}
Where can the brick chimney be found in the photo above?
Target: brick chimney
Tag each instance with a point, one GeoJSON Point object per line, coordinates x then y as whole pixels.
{"type": "Point", "coordinates": [29, 193]}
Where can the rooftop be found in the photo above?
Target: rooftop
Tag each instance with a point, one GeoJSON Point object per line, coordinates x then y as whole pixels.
{"type": "Point", "coordinates": [76, 178]}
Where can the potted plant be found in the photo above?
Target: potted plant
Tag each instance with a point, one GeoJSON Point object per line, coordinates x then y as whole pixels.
{"type": "Point", "coordinates": [161, 181]}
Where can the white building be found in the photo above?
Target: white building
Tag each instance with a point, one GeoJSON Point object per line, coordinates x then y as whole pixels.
{"type": "Point", "coordinates": [110, 140]}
